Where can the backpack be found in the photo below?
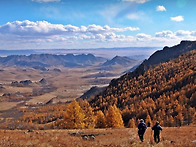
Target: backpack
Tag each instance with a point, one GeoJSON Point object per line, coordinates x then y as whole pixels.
{"type": "Point", "coordinates": [143, 127]}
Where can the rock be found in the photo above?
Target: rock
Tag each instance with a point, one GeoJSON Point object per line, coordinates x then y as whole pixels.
{"type": "Point", "coordinates": [30, 131]}
{"type": "Point", "coordinates": [57, 70]}
{"type": "Point", "coordinates": [40, 68]}
{"type": "Point", "coordinates": [85, 137]}
{"type": "Point", "coordinates": [7, 94]}
{"type": "Point", "coordinates": [92, 136]}
{"type": "Point", "coordinates": [26, 82]}
{"type": "Point", "coordinates": [1, 86]}
{"type": "Point", "coordinates": [43, 81]}
{"type": "Point", "coordinates": [14, 83]}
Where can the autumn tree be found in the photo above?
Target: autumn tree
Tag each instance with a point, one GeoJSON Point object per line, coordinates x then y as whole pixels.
{"type": "Point", "coordinates": [74, 116]}
{"type": "Point", "coordinates": [179, 119]}
{"type": "Point", "coordinates": [170, 121]}
{"type": "Point", "coordinates": [89, 119]}
{"type": "Point", "coordinates": [114, 117]}
{"type": "Point", "coordinates": [100, 120]}
{"type": "Point", "coordinates": [131, 123]}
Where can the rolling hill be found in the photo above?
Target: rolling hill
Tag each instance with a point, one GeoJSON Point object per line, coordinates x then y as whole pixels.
{"type": "Point", "coordinates": [118, 60]}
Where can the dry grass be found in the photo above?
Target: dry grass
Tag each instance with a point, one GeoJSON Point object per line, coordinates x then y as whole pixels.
{"type": "Point", "coordinates": [42, 98]}
{"type": "Point", "coordinates": [7, 105]}
{"type": "Point", "coordinates": [10, 89]}
{"type": "Point", "coordinates": [171, 137]}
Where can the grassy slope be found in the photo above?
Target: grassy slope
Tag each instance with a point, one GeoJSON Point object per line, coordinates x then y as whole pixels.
{"type": "Point", "coordinates": [176, 137]}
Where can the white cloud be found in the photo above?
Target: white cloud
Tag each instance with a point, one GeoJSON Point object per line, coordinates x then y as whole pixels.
{"type": "Point", "coordinates": [143, 36]}
{"type": "Point", "coordinates": [42, 34]}
{"type": "Point", "coordinates": [137, 1]}
{"type": "Point", "coordinates": [164, 38]}
{"type": "Point", "coordinates": [161, 8]}
{"type": "Point", "coordinates": [176, 36]}
{"type": "Point", "coordinates": [39, 28]}
{"type": "Point", "coordinates": [177, 18]}
{"type": "Point", "coordinates": [44, 28]}
{"type": "Point", "coordinates": [45, 1]}
{"type": "Point", "coordinates": [165, 34]}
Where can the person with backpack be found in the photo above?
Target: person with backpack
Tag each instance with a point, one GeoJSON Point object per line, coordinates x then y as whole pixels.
{"type": "Point", "coordinates": [141, 129]}
{"type": "Point", "coordinates": [157, 128]}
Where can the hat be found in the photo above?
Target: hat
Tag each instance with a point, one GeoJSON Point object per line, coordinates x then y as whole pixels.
{"type": "Point", "coordinates": [141, 120]}
{"type": "Point", "coordinates": [157, 122]}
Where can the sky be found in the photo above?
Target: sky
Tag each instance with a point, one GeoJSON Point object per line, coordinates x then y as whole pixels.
{"type": "Point", "coordinates": [79, 24]}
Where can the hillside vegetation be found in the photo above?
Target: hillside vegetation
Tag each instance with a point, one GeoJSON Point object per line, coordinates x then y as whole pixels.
{"type": "Point", "coordinates": [166, 92]}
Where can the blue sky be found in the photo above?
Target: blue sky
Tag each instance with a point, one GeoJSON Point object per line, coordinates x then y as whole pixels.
{"type": "Point", "coordinates": [48, 24]}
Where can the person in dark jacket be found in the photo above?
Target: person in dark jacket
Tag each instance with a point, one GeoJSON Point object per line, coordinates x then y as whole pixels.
{"type": "Point", "coordinates": [157, 128]}
{"type": "Point", "coordinates": [141, 129]}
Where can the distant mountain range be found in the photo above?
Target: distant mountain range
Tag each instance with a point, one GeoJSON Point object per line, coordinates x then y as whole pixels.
{"type": "Point", "coordinates": [47, 60]}
{"type": "Point", "coordinates": [42, 61]}
{"type": "Point", "coordinates": [138, 53]}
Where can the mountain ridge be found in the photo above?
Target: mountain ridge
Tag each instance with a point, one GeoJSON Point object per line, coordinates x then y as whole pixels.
{"type": "Point", "coordinates": [168, 53]}
{"type": "Point", "coordinates": [47, 60]}
{"type": "Point", "coordinates": [159, 56]}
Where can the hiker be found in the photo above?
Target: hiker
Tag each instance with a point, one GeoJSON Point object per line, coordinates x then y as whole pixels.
{"type": "Point", "coordinates": [157, 128]}
{"type": "Point", "coordinates": [141, 129]}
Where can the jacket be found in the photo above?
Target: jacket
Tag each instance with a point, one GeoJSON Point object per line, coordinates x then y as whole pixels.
{"type": "Point", "coordinates": [141, 127]}
{"type": "Point", "coordinates": [157, 128]}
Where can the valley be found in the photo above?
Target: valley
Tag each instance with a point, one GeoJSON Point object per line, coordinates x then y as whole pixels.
{"type": "Point", "coordinates": [26, 86]}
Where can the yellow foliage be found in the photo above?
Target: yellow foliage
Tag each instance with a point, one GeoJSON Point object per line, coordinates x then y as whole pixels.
{"type": "Point", "coordinates": [74, 116]}
{"type": "Point", "coordinates": [131, 123]}
{"type": "Point", "coordinates": [100, 120]}
{"type": "Point", "coordinates": [89, 119]}
{"type": "Point", "coordinates": [114, 118]}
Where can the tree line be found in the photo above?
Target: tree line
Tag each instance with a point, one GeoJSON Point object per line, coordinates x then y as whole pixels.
{"type": "Point", "coordinates": [75, 115]}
